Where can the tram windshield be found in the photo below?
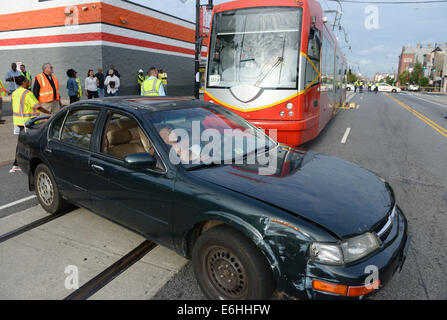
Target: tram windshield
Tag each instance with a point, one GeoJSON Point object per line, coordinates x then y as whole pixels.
{"type": "Point", "coordinates": [255, 46]}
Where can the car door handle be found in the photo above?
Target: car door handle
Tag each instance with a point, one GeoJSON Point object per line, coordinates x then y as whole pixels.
{"type": "Point", "coordinates": [97, 168]}
{"type": "Point", "coordinates": [48, 151]}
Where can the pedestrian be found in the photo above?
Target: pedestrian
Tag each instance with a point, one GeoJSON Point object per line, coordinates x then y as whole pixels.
{"type": "Point", "coordinates": [140, 79]}
{"type": "Point", "coordinates": [113, 83]}
{"type": "Point", "coordinates": [91, 85]}
{"type": "Point", "coordinates": [78, 81]}
{"type": "Point", "coordinates": [361, 86]}
{"type": "Point", "coordinates": [3, 92]}
{"type": "Point", "coordinates": [101, 77]}
{"type": "Point", "coordinates": [376, 88]}
{"type": "Point", "coordinates": [26, 74]}
{"type": "Point", "coordinates": [46, 89]}
{"type": "Point", "coordinates": [72, 86]}
{"type": "Point", "coordinates": [356, 84]}
{"type": "Point", "coordinates": [369, 86]}
{"type": "Point", "coordinates": [25, 106]}
{"type": "Point", "coordinates": [152, 86]}
{"type": "Point", "coordinates": [163, 76]}
{"type": "Point", "coordinates": [10, 77]}
{"type": "Point", "coordinates": [115, 72]}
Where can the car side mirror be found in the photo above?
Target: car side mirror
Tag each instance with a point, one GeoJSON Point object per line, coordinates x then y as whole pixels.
{"type": "Point", "coordinates": [142, 160]}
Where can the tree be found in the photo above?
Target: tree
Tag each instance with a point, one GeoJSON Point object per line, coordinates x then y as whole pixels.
{"type": "Point", "coordinates": [352, 77]}
{"type": "Point", "coordinates": [423, 81]}
{"type": "Point", "coordinates": [404, 77]}
{"type": "Point", "coordinates": [416, 73]}
{"type": "Point", "coordinates": [389, 80]}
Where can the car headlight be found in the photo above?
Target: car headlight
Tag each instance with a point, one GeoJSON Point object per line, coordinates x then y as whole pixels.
{"type": "Point", "coordinates": [346, 251]}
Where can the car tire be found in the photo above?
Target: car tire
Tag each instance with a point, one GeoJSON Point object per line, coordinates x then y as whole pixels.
{"type": "Point", "coordinates": [394, 91]}
{"type": "Point", "coordinates": [47, 191]}
{"type": "Point", "coordinates": [348, 89]}
{"type": "Point", "coordinates": [227, 265]}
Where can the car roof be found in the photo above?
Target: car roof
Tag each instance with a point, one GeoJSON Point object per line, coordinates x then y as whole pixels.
{"type": "Point", "coordinates": [147, 104]}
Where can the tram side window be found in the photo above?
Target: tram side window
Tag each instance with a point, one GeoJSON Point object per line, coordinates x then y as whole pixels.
{"type": "Point", "coordinates": [328, 71]}
{"type": "Point", "coordinates": [313, 61]}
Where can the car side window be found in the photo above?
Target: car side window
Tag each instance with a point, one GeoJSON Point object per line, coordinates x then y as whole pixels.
{"type": "Point", "coordinates": [56, 126]}
{"type": "Point", "coordinates": [78, 128]}
{"type": "Point", "coordinates": [123, 136]}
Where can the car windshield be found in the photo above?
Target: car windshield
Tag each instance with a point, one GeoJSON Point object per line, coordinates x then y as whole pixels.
{"type": "Point", "coordinates": [255, 46]}
{"type": "Point", "coordinates": [208, 135]}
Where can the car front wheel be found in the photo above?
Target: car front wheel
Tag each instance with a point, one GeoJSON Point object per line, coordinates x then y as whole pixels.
{"type": "Point", "coordinates": [394, 91]}
{"type": "Point", "coordinates": [229, 266]}
{"type": "Point", "coordinates": [47, 191]}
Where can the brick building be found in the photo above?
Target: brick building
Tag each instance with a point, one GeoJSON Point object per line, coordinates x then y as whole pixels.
{"type": "Point", "coordinates": [87, 34]}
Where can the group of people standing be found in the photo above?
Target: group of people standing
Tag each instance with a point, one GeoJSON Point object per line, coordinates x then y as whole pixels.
{"type": "Point", "coordinates": [155, 83]}
{"type": "Point", "coordinates": [27, 104]}
{"type": "Point", "coordinates": [96, 85]}
{"type": "Point", "coordinates": [44, 96]}
{"type": "Point", "coordinates": [359, 85]}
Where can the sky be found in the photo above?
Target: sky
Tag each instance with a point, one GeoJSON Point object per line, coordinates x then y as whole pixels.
{"type": "Point", "coordinates": [376, 46]}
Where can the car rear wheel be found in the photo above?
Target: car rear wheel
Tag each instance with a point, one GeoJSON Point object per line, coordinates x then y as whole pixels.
{"type": "Point", "coordinates": [348, 89]}
{"type": "Point", "coordinates": [47, 191]}
{"type": "Point", "coordinates": [229, 266]}
{"type": "Point", "coordinates": [394, 91]}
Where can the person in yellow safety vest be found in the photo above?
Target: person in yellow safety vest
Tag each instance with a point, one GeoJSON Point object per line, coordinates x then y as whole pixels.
{"type": "Point", "coordinates": [26, 74]}
{"type": "Point", "coordinates": [79, 87]}
{"type": "Point", "coordinates": [163, 76]}
{"type": "Point", "coordinates": [140, 79]}
{"type": "Point", "coordinates": [361, 86]}
{"type": "Point", "coordinates": [369, 86]}
{"type": "Point", "coordinates": [46, 89]}
{"type": "Point", "coordinates": [376, 88]}
{"type": "Point", "coordinates": [356, 85]}
{"type": "Point", "coordinates": [3, 92]}
{"type": "Point", "coordinates": [152, 86]}
{"type": "Point", "coordinates": [25, 106]}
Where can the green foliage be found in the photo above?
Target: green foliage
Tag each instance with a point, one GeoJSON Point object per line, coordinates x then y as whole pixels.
{"type": "Point", "coordinates": [352, 77]}
{"type": "Point", "coordinates": [423, 81]}
{"type": "Point", "coordinates": [416, 73]}
{"type": "Point", "coordinates": [389, 80]}
{"type": "Point", "coordinates": [404, 77]}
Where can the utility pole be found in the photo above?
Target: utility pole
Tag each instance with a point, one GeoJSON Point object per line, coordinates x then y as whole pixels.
{"type": "Point", "coordinates": [197, 53]}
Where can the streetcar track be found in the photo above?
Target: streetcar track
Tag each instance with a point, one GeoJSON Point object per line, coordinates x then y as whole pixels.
{"type": "Point", "coordinates": [33, 225]}
{"type": "Point", "coordinates": [106, 276]}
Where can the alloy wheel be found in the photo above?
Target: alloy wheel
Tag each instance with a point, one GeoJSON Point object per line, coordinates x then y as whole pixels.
{"type": "Point", "coordinates": [45, 188]}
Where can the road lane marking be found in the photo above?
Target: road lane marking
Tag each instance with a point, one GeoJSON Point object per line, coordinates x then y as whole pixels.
{"type": "Point", "coordinates": [358, 106]}
{"type": "Point", "coordinates": [17, 202]}
{"type": "Point", "coordinates": [431, 123]}
{"type": "Point", "coordinates": [429, 101]}
{"type": "Point", "coordinates": [345, 137]}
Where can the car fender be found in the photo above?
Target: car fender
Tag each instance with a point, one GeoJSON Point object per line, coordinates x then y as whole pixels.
{"type": "Point", "coordinates": [247, 229]}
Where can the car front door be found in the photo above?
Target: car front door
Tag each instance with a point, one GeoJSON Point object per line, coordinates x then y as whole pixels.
{"type": "Point", "coordinates": [68, 152]}
{"type": "Point", "coordinates": [140, 199]}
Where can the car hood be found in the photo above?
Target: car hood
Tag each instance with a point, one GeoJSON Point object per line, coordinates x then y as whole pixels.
{"type": "Point", "coordinates": [338, 195]}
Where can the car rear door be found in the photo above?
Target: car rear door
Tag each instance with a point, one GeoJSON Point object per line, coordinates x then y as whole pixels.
{"type": "Point", "coordinates": [140, 199]}
{"type": "Point", "coordinates": [68, 152]}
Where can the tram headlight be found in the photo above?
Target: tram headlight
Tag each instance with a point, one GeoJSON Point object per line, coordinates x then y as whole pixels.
{"type": "Point", "coordinates": [211, 101]}
{"type": "Point", "coordinates": [282, 113]}
{"type": "Point", "coordinates": [289, 106]}
{"type": "Point", "coordinates": [290, 113]}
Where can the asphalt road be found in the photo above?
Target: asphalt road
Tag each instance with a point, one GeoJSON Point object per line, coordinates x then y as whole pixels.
{"type": "Point", "coordinates": [403, 141]}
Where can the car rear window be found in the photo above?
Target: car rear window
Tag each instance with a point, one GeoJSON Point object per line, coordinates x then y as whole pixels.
{"type": "Point", "coordinates": [78, 127]}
